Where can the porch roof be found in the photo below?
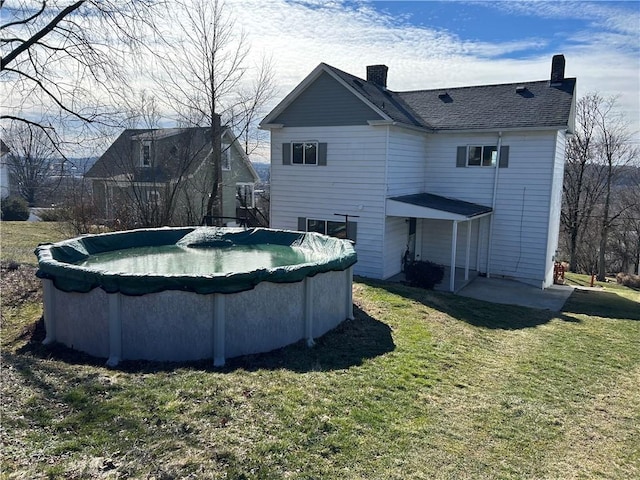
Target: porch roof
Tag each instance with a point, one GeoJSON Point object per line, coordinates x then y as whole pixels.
{"type": "Point", "coordinates": [428, 205]}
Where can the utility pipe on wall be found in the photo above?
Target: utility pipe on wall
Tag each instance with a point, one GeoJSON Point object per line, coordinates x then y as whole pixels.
{"type": "Point", "coordinates": [493, 204]}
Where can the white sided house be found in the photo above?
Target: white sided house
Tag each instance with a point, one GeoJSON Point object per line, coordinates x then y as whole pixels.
{"type": "Point", "coordinates": [470, 177]}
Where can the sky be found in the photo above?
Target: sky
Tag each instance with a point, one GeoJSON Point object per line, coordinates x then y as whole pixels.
{"type": "Point", "coordinates": [436, 44]}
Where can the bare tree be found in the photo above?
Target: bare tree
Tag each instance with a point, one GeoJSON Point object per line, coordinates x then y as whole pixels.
{"type": "Point", "coordinates": [595, 199]}
{"type": "Point", "coordinates": [582, 186]}
{"type": "Point", "coordinates": [205, 80]}
{"type": "Point", "coordinates": [64, 63]}
{"type": "Point", "coordinates": [614, 152]}
{"type": "Point", "coordinates": [33, 167]}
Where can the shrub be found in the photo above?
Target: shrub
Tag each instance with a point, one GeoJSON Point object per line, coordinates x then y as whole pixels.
{"type": "Point", "coordinates": [628, 280]}
{"type": "Point", "coordinates": [424, 274]}
{"type": "Point", "coordinates": [51, 215]}
{"type": "Point", "coordinates": [15, 209]}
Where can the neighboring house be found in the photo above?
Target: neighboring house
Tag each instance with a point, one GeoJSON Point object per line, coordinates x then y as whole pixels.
{"type": "Point", "coordinates": [166, 175]}
{"type": "Point", "coordinates": [4, 170]}
{"type": "Point", "coordinates": [413, 174]}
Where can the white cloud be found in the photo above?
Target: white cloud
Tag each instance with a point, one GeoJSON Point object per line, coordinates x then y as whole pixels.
{"type": "Point", "coordinates": [349, 36]}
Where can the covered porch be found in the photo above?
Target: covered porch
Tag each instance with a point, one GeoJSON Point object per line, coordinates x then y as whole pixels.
{"type": "Point", "coordinates": [460, 218]}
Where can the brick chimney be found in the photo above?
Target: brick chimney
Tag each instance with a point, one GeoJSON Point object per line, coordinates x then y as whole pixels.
{"type": "Point", "coordinates": [557, 70]}
{"type": "Point", "coordinates": [377, 74]}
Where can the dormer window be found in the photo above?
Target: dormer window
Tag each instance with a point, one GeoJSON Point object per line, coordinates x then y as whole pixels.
{"type": "Point", "coordinates": [145, 153]}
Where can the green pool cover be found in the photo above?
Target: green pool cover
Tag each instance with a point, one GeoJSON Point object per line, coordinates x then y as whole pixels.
{"type": "Point", "coordinates": [96, 261]}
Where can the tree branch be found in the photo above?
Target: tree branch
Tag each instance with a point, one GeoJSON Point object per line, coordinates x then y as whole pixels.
{"type": "Point", "coordinates": [11, 56]}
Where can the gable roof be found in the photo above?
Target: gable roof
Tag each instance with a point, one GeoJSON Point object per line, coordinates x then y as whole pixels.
{"type": "Point", "coordinates": [535, 104]}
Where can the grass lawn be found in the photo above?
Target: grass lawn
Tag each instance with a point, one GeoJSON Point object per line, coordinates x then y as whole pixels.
{"type": "Point", "coordinates": [419, 385]}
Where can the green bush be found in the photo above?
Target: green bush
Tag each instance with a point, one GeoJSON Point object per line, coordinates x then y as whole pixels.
{"type": "Point", "coordinates": [424, 274]}
{"type": "Point", "coordinates": [15, 209]}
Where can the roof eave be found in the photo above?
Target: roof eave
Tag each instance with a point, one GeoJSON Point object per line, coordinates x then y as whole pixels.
{"type": "Point", "coordinates": [382, 123]}
{"type": "Point", "coordinates": [503, 129]}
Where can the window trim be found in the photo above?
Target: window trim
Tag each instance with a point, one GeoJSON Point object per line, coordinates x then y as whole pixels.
{"type": "Point", "coordinates": [462, 155]}
{"type": "Point", "coordinates": [156, 196]}
{"type": "Point", "coordinates": [351, 228]}
{"type": "Point", "coordinates": [482, 148]}
{"type": "Point", "coordinates": [145, 144]}
{"type": "Point", "coordinates": [304, 152]}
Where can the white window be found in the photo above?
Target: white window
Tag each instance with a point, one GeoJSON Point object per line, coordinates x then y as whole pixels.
{"type": "Point", "coordinates": [153, 196]}
{"type": "Point", "coordinates": [482, 156]}
{"type": "Point", "coordinates": [145, 153]}
{"type": "Point", "coordinates": [304, 153]}
{"type": "Point", "coordinates": [245, 195]}
{"type": "Point", "coordinates": [226, 157]}
{"type": "Point", "coordinates": [327, 227]}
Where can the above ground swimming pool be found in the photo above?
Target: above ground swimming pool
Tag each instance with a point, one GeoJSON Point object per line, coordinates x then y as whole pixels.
{"type": "Point", "coordinates": [179, 294]}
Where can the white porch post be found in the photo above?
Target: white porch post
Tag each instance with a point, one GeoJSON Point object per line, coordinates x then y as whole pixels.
{"type": "Point", "coordinates": [454, 242]}
{"type": "Point", "coordinates": [418, 248]}
{"type": "Point", "coordinates": [468, 253]}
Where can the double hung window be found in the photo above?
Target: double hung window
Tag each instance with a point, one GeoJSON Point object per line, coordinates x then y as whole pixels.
{"type": "Point", "coordinates": [484, 156]}
{"type": "Point", "coordinates": [145, 153]}
{"type": "Point", "coordinates": [304, 153]}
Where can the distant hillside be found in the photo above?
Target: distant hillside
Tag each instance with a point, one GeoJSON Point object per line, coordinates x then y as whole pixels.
{"type": "Point", "coordinates": [263, 170]}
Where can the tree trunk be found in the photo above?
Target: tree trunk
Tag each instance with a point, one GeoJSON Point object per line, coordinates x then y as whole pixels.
{"type": "Point", "coordinates": [604, 231]}
{"type": "Point", "coordinates": [214, 203]}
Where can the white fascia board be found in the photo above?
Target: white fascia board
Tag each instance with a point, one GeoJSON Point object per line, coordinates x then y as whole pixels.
{"type": "Point", "coordinates": [235, 144]}
{"type": "Point", "coordinates": [392, 123]}
{"type": "Point", "coordinates": [401, 209]}
{"type": "Point", "coordinates": [271, 126]}
{"type": "Point", "coordinates": [550, 128]}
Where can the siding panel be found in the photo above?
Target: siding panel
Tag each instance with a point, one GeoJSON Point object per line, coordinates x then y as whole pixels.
{"type": "Point", "coordinates": [352, 182]}
{"type": "Point", "coordinates": [325, 103]}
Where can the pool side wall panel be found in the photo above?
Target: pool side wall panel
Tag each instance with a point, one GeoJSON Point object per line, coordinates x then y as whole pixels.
{"type": "Point", "coordinates": [328, 305]}
{"type": "Point", "coordinates": [166, 326]}
{"type": "Point", "coordinates": [82, 321]}
{"type": "Point", "coordinates": [263, 319]}
{"type": "Point", "coordinates": [179, 326]}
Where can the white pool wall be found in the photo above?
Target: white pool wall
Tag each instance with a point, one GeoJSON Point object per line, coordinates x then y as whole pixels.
{"type": "Point", "coordinates": [183, 326]}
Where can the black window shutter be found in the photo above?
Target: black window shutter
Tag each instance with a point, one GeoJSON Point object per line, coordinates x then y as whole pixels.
{"type": "Point", "coordinates": [461, 159]}
{"type": "Point", "coordinates": [322, 154]}
{"type": "Point", "coordinates": [286, 154]}
{"type": "Point", "coordinates": [504, 156]}
{"type": "Point", "coordinates": [302, 224]}
{"type": "Point", "coordinates": [352, 231]}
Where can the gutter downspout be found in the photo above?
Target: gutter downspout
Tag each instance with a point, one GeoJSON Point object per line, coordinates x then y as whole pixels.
{"type": "Point", "coordinates": [493, 204]}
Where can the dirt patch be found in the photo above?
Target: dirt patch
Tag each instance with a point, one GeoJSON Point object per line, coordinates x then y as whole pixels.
{"type": "Point", "coordinates": [19, 284]}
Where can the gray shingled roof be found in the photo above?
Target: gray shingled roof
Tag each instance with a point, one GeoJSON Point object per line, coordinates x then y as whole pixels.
{"type": "Point", "coordinates": [122, 157]}
{"type": "Point", "coordinates": [444, 204]}
{"type": "Point", "coordinates": [512, 105]}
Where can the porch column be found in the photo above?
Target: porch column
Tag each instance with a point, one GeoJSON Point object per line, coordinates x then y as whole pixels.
{"type": "Point", "coordinates": [418, 247]}
{"type": "Point", "coordinates": [466, 260]}
{"type": "Point", "coordinates": [454, 242]}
